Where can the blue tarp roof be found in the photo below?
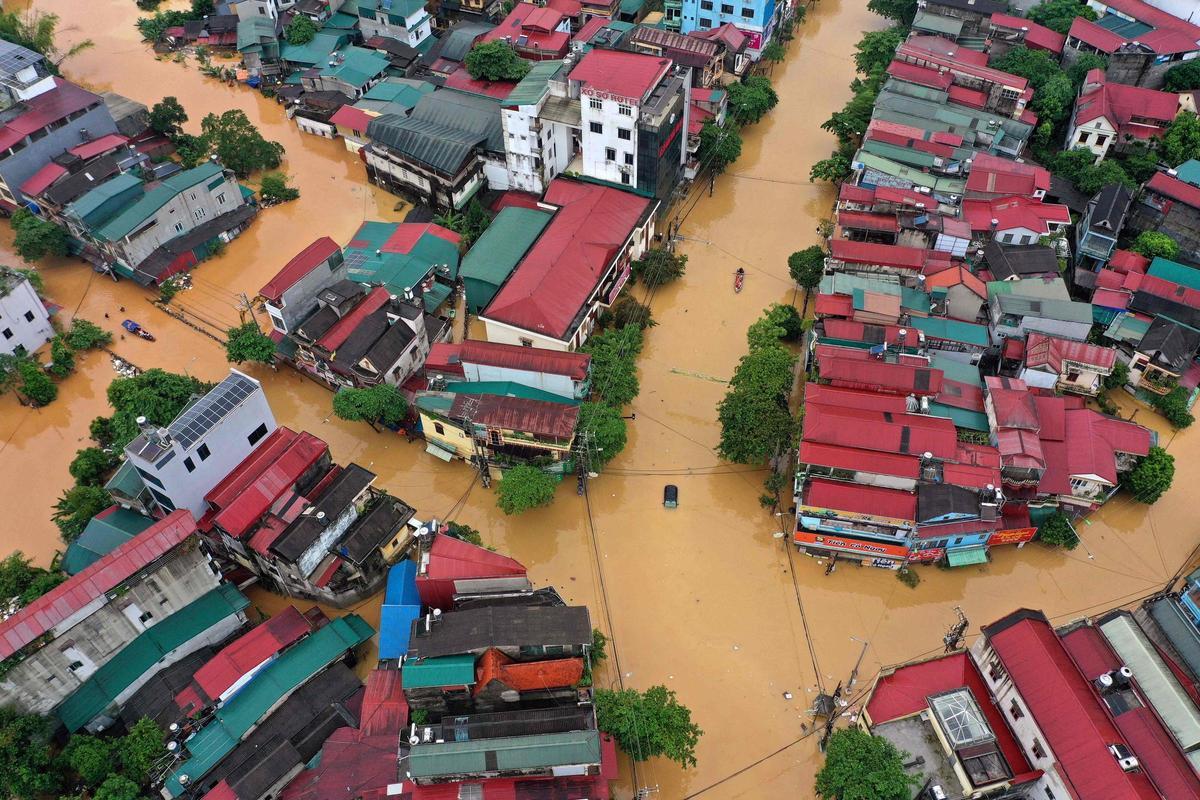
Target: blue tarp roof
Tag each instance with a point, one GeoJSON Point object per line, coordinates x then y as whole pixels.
{"type": "Point", "coordinates": [401, 605]}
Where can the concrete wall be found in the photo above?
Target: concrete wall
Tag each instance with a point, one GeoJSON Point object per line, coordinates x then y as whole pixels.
{"type": "Point", "coordinates": [20, 167]}
{"type": "Point", "coordinates": [416, 28]}
{"type": "Point", "coordinates": [227, 444]}
{"type": "Point", "coordinates": [45, 679]}
{"type": "Point", "coordinates": [552, 145]}
{"type": "Point", "coordinates": [24, 321]}
{"type": "Point", "coordinates": [300, 299]}
{"type": "Point", "coordinates": [184, 212]}
{"type": "Point", "coordinates": [621, 169]}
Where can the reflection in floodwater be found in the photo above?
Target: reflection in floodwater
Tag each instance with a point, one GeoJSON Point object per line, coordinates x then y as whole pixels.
{"type": "Point", "coordinates": [702, 598]}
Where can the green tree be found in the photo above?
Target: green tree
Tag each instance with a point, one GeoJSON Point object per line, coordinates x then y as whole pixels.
{"type": "Point", "coordinates": [850, 123]}
{"type": "Point", "coordinates": [38, 31]}
{"type": "Point", "coordinates": [202, 8]}
{"type": "Point", "coordinates": [301, 30]}
{"type": "Point", "coordinates": [248, 343]}
{"type": "Point", "coordinates": [605, 429]}
{"type": "Point", "coordinates": [778, 323]}
{"type": "Point", "coordinates": [91, 465]}
{"type": "Point", "coordinates": [1086, 62]}
{"type": "Point", "coordinates": [1152, 476]}
{"type": "Point", "coordinates": [1173, 406]}
{"type": "Point", "coordinates": [464, 532]}
{"type": "Point", "coordinates": [238, 144]}
{"type": "Point", "coordinates": [274, 187]}
{"type": "Point", "coordinates": [37, 238]}
{"type": "Point", "coordinates": [86, 335]}
{"type": "Point", "coordinates": [27, 768]}
{"type": "Point", "coordinates": [1140, 163]}
{"type": "Point", "coordinates": [1118, 377]}
{"type": "Point", "coordinates": [1182, 77]}
{"type": "Point", "coordinates": [1056, 531]}
{"type": "Point", "coordinates": [875, 49]}
{"type": "Point", "coordinates": [754, 417]}
{"type": "Point", "coordinates": [751, 99]}
{"type": "Point", "coordinates": [155, 394]}
{"type": "Point", "coordinates": [859, 766]}
{"type": "Point", "coordinates": [35, 383]}
{"type": "Point", "coordinates": [90, 757]}
{"type": "Point", "coordinates": [62, 358]}
{"type": "Point", "coordinates": [719, 146]}
{"type": "Point", "coordinates": [901, 11]}
{"type": "Point", "coordinates": [101, 431]}
{"type": "Point", "coordinates": [381, 404]}
{"type": "Point", "coordinates": [76, 507]}
{"type": "Point", "coordinates": [1153, 244]}
{"type": "Point", "coordinates": [773, 52]}
{"type": "Point", "coordinates": [1181, 139]}
{"type": "Point", "coordinates": [138, 749]}
{"type": "Point", "coordinates": [1057, 15]}
{"type": "Point", "coordinates": [167, 116]}
{"type": "Point", "coordinates": [191, 149]}
{"type": "Point", "coordinates": [20, 579]}
{"type": "Point", "coordinates": [1095, 177]}
{"type": "Point", "coordinates": [118, 787]}
{"type": "Point", "coordinates": [834, 169]}
{"type": "Point", "coordinates": [523, 488]}
{"type": "Point", "coordinates": [614, 355]}
{"type": "Point", "coordinates": [628, 311]}
{"type": "Point", "coordinates": [496, 61]}
{"type": "Point", "coordinates": [648, 725]}
{"type": "Point", "coordinates": [807, 266]}
{"type": "Point", "coordinates": [35, 279]}
{"type": "Point", "coordinates": [476, 220]}
{"type": "Point", "coordinates": [658, 266]}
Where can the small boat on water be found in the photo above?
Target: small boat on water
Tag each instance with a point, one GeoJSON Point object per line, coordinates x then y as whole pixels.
{"type": "Point", "coordinates": [137, 330]}
{"type": "Point", "coordinates": [739, 278]}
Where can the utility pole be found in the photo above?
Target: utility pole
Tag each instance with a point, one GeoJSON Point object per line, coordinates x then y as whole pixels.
{"type": "Point", "coordinates": [583, 460]}
{"type": "Point", "coordinates": [245, 307]}
{"type": "Point", "coordinates": [858, 663]}
{"type": "Point", "coordinates": [953, 638]}
{"type": "Point", "coordinates": [480, 459]}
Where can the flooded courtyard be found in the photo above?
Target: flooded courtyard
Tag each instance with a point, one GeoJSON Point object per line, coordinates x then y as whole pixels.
{"type": "Point", "coordinates": [703, 598]}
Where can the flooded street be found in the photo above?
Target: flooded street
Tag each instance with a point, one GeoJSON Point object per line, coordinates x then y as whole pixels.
{"type": "Point", "coordinates": [701, 598]}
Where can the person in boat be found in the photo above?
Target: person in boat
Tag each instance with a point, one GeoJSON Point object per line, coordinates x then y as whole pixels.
{"type": "Point", "coordinates": [741, 271]}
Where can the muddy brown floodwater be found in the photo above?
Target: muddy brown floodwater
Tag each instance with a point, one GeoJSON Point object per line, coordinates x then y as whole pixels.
{"type": "Point", "coordinates": [702, 598]}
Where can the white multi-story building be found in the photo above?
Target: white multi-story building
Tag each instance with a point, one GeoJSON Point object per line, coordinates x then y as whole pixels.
{"type": "Point", "coordinates": [24, 322]}
{"type": "Point", "coordinates": [177, 465]}
{"type": "Point", "coordinates": [538, 145]}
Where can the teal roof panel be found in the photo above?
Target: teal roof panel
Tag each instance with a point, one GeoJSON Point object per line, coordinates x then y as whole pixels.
{"type": "Point", "coordinates": [441, 671]}
{"type": "Point", "coordinates": [511, 753]}
{"type": "Point", "coordinates": [496, 253]}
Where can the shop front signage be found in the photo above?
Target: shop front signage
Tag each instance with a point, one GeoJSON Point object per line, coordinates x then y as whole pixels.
{"type": "Point", "coordinates": [877, 549]}
{"type": "Point", "coordinates": [931, 554]}
{"type": "Point", "coordinates": [1012, 536]}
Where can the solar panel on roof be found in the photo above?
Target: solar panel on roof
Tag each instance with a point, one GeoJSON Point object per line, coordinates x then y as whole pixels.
{"type": "Point", "coordinates": [211, 409]}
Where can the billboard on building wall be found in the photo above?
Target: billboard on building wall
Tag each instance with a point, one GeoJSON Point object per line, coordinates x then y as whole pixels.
{"type": "Point", "coordinates": [755, 39]}
{"type": "Point", "coordinates": [931, 554]}
{"type": "Point", "coordinates": [1012, 536]}
{"type": "Point", "coordinates": [859, 546]}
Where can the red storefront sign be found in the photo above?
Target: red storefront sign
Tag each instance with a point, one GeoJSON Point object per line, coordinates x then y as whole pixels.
{"type": "Point", "coordinates": [932, 554]}
{"type": "Point", "coordinates": [851, 545]}
{"type": "Point", "coordinates": [1012, 536]}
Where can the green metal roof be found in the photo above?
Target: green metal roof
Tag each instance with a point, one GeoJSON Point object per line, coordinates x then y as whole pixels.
{"type": "Point", "coordinates": [952, 330]}
{"type": "Point", "coordinates": [631, 6]}
{"type": "Point", "coordinates": [846, 283]}
{"type": "Point", "coordinates": [140, 656]}
{"type": "Point", "coordinates": [436, 295]}
{"type": "Point", "coordinates": [965, 556]}
{"type": "Point", "coordinates": [1061, 310]}
{"type": "Point", "coordinates": [87, 206]}
{"type": "Point", "coordinates": [317, 51]}
{"type": "Point", "coordinates": [149, 204]}
{"type": "Point", "coordinates": [915, 176]}
{"type": "Point", "coordinates": [901, 155]}
{"type": "Point", "coordinates": [341, 21]}
{"type": "Point", "coordinates": [1189, 172]}
{"type": "Point", "coordinates": [961, 417]}
{"type": "Point", "coordinates": [101, 537]}
{"type": "Point", "coordinates": [252, 30]}
{"type": "Point", "coordinates": [1175, 272]}
{"type": "Point", "coordinates": [508, 389]}
{"type": "Point", "coordinates": [496, 253]}
{"type": "Point", "coordinates": [954, 369]}
{"type": "Point", "coordinates": [536, 83]}
{"type": "Point", "coordinates": [397, 271]}
{"type": "Point", "coordinates": [434, 403]}
{"type": "Point", "coordinates": [1035, 288]}
{"type": "Point", "coordinates": [914, 299]}
{"type": "Point", "coordinates": [358, 65]}
{"type": "Point", "coordinates": [1127, 328]}
{"type": "Point", "coordinates": [443, 129]}
{"type": "Point", "coordinates": [402, 91]}
{"type": "Point", "coordinates": [508, 753]}
{"type": "Point", "coordinates": [924, 21]}
{"type": "Point", "coordinates": [126, 481]}
{"type": "Point", "coordinates": [442, 671]}
{"type": "Point", "coordinates": [293, 668]}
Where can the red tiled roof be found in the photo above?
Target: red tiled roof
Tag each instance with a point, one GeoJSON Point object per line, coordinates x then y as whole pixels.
{"type": "Point", "coordinates": [303, 263]}
{"type": "Point", "coordinates": [922, 76]}
{"type": "Point", "coordinates": [1060, 700]}
{"type": "Point", "coordinates": [97, 146]}
{"type": "Point", "coordinates": [864, 220]}
{"type": "Point", "coordinates": [407, 234]}
{"type": "Point", "coordinates": [1172, 187]}
{"type": "Point", "coordinates": [248, 492]}
{"type": "Point", "coordinates": [450, 560]}
{"type": "Point", "coordinates": [997, 176]}
{"type": "Point", "coordinates": [624, 74]}
{"type": "Point", "coordinates": [887, 255]}
{"type": "Point", "coordinates": [1110, 298]}
{"type": "Point", "coordinates": [64, 99]}
{"type": "Point", "coordinates": [494, 665]}
{"type": "Point", "coordinates": [510, 356]}
{"type": "Point", "coordinates": [939, 52]}
{"type": "Point", "coordinates": [880, 376]}
{"type": "Point", "coordinates": [833, 305]}
{"type": "Point", "coordinates": [956, 276]}
{"type": "Point", "coordinates": [237, 659]}
{"type": "Point", "coordinates": [1014, 212]}
{"type": "Point", "coordinates": [353, 118]}
{"type": "Point", "coordinates": [42, 179]}
{"type": "Point", "coordinates": [852, 458]}
{"type": "Point", "coordinates": [568, 8]}
{"type": "Point", "coordinates": [537, 25]}
{"type": "Point", "coordinates": [537, 418]}
{"type": "Point", "coordinates": [384, 708]}
{"type": "Point", "coordinates": [1128, 261]}
{"type": "Point", "coordinates": [1121, 104]}
{"type": "Point", "coordinates": [860, 499]}
{"type": "Point", "coordinates": [907, 434]}
{"type": "Point", "coordinates": [81, 589]}
{"type": "Point", "coordinates": [1012, 402]}
{"type": "Point", "coordinates": [341, 330]}
{"type": "Point", "coordinates": [1036, 36]}
{"type": "Point", "coordinates": [1051, 351]}
{"type": "Point", "coordinates": [590, 28]}
{"type": "Point", "coordinates": [461, 80]}
{"type": "Point", "coordinates": [557, 276]}
{"type": "Point", "coordinates": [850, 330]}
{"type": "Point", "coordinates": [729, 34]}
{"type": "Point", "coordinates": [855, 194]}
{"type": "Point", "coordinates": [825, 394]}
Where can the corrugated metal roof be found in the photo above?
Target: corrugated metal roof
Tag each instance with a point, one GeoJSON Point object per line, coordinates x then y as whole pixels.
{"type": "Point", "coordinates": [533, 359]}
{"type": "Point", "coordinates": [505, 754]}
{"type": "Point", "coordinates": [497, 252]}
{"type": "Point", "coordinates": [301, 264]}
{"type": "Point", "coordinates": [630, 75]}
{"type": "Point", "coordinates": [70, 597]}
{"type": "Point", "coordinates": [143, 653]}
{"type": "Point", "coordinates": [294, 667]}
{"type": "Point", "coordinates": [536, 418]}
{"type": "Point", "coordinates": [106, 531]}
{"type": "Point", "coordinates": [154, 199]}
{"type": "Point", "coordinates": [91, 201]}
{"type": "Point", "coordinates": [508, 389]}
{"type": "Point", "coordinates": [421, 673]}
{"type": "Point", "coordinates": [534, 85]}
{"type": "Point", "coordinates": [356, 66]}
{"type": "Point", "coordinates": [952, 330]}
{"type": "Point", "coordinates": [861, 499]}
{"type": "Point", "coordinates": [526, 676]}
